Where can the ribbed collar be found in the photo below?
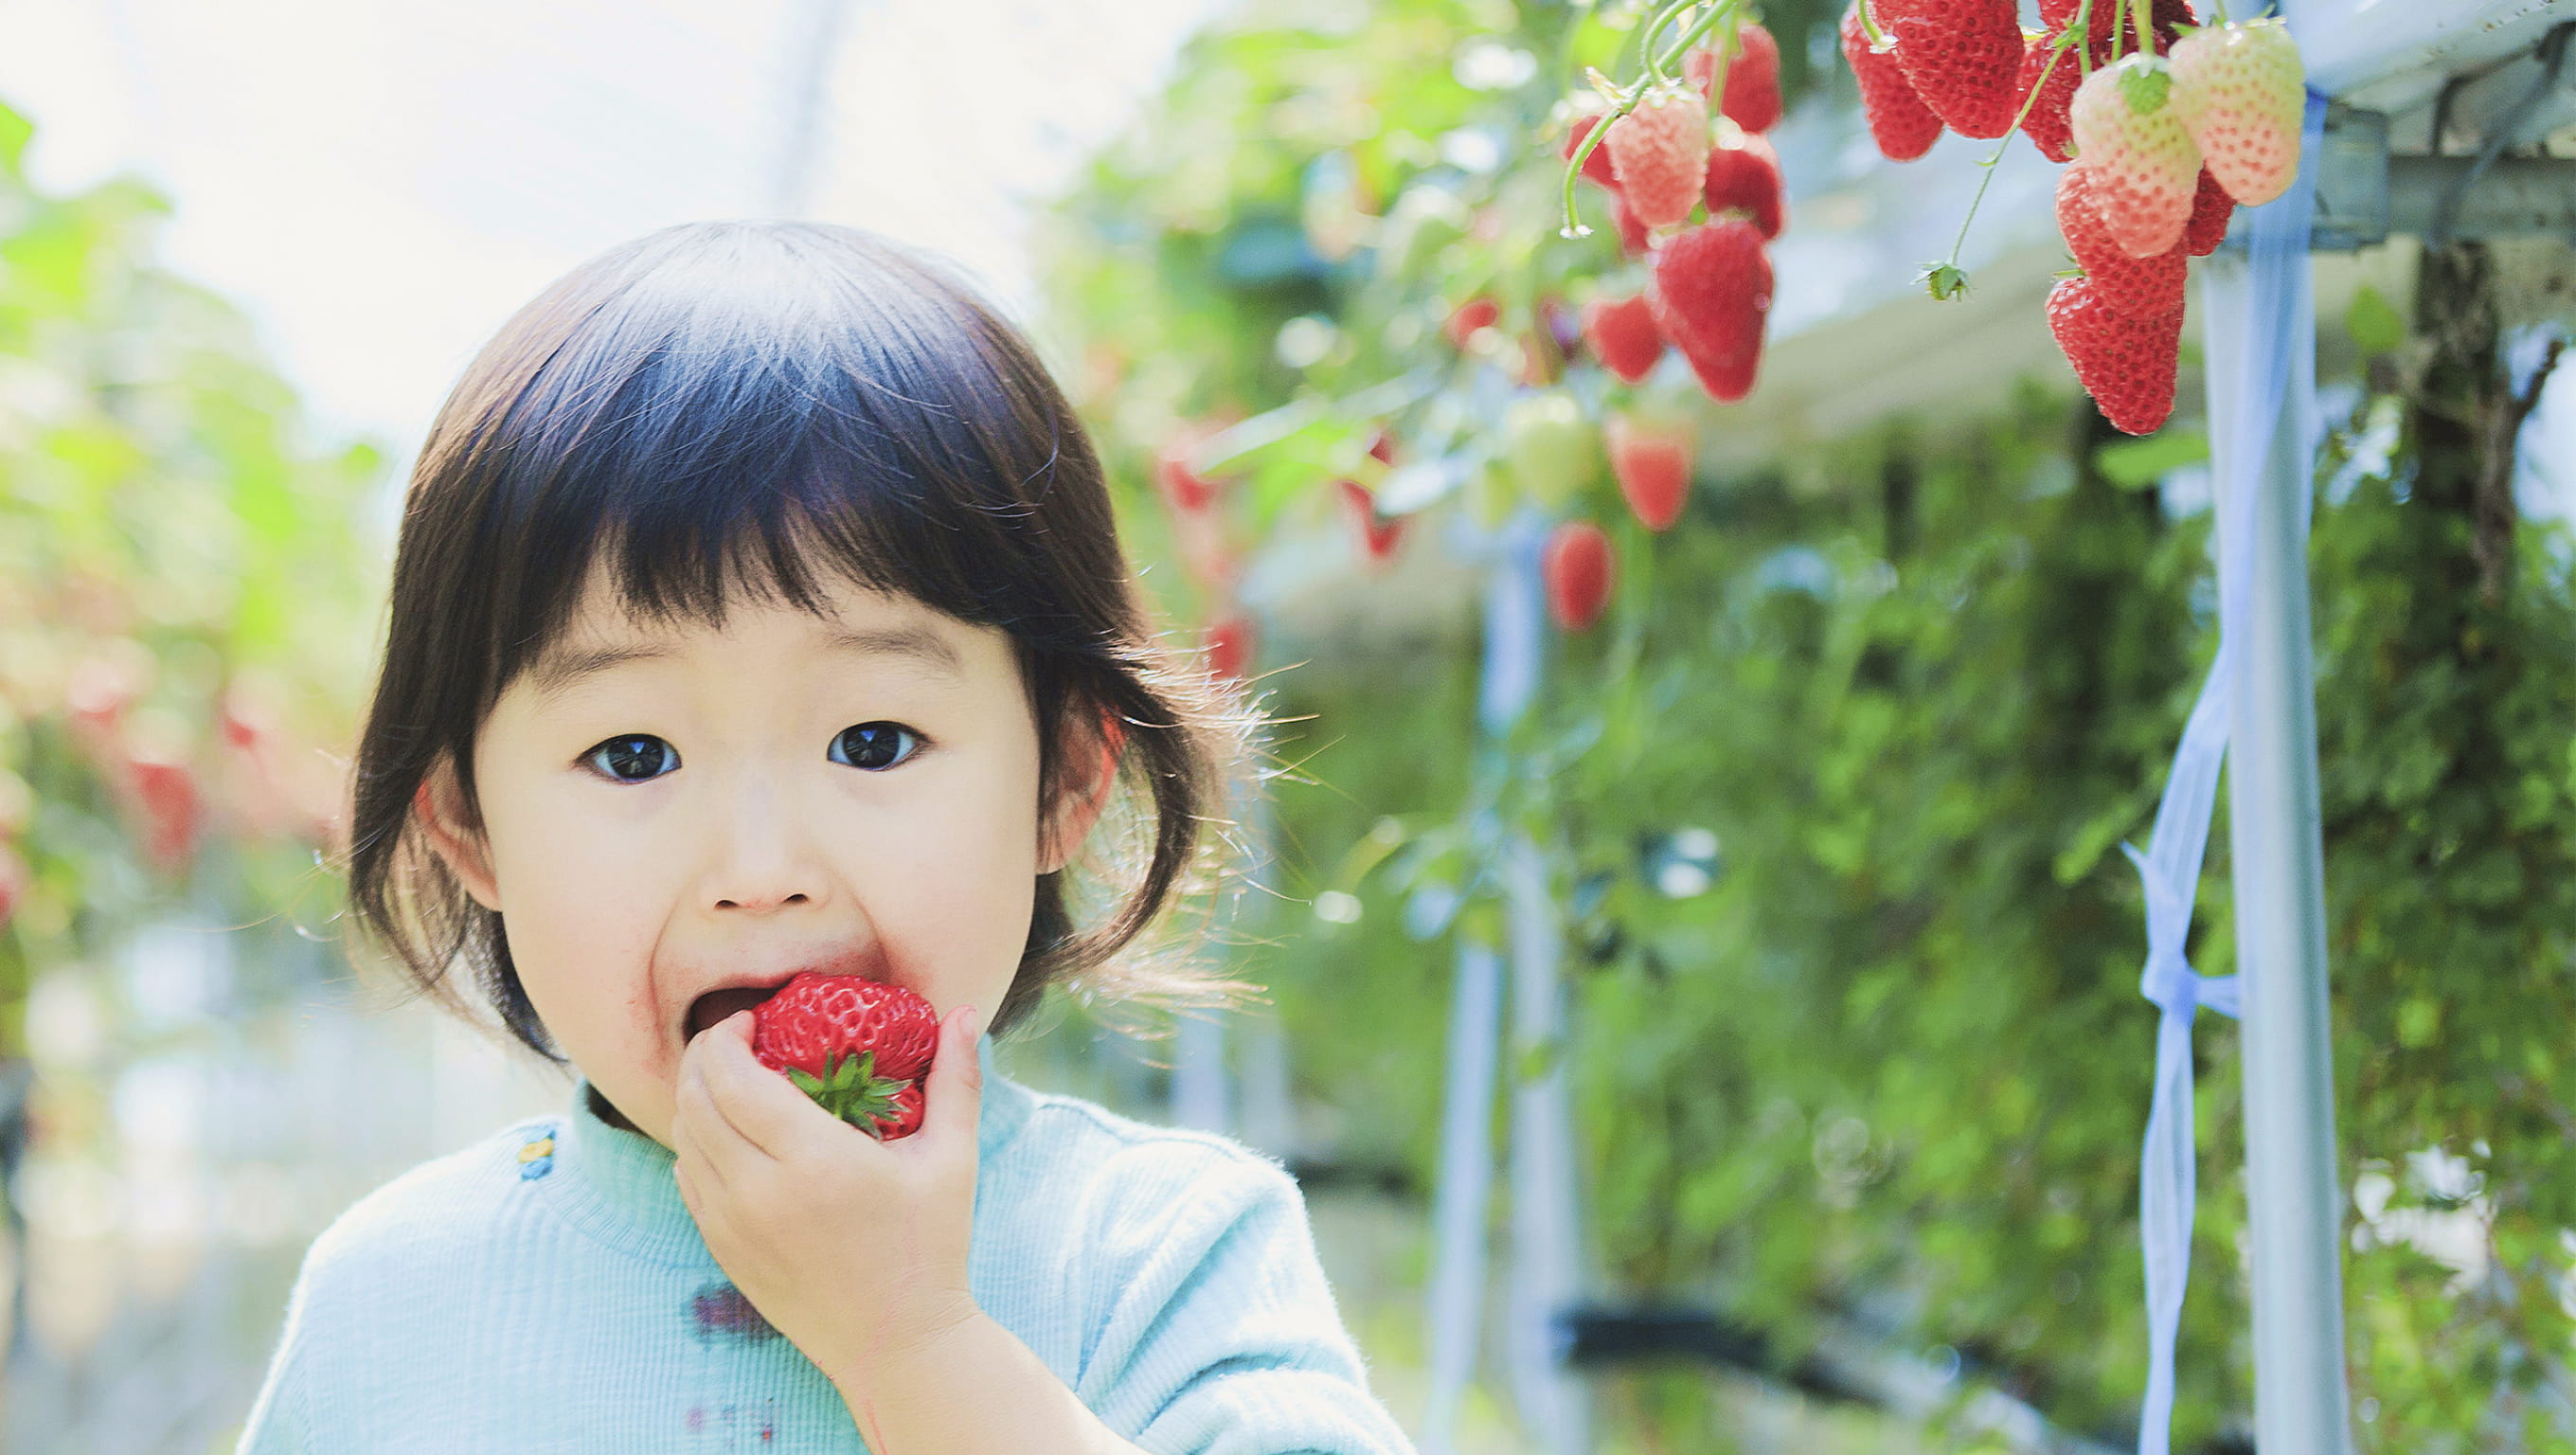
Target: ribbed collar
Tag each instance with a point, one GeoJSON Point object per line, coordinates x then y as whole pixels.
{"type": "Point", "coordinates": [618, 1186]}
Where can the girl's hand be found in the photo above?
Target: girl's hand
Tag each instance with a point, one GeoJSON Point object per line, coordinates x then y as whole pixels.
{"type": "Point", "coordinates": [855, 1249]}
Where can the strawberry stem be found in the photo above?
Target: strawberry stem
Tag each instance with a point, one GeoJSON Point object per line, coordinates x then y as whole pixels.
{"type": "Point", "coordinates": [1878, 38]}
{"type": "Point", "coordinates": [1946, 278]}
{"type": "Point", "coordinates": [1646, 42]}
{"type": "Point", "coordinates": [1725, 58]}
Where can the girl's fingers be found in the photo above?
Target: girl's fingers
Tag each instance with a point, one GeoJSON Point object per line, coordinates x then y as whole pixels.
{"type": "Point", "coordinates": [765, 1109]}
{"type": "Point", "coordinates": [955, 1093]}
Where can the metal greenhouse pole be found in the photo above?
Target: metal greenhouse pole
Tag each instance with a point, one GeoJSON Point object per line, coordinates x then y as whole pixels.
{"type": "Point", "coordinates": [2259, 313]}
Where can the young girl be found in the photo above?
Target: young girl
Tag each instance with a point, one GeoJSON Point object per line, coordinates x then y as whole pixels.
{"type": "Point", "coordinates": [758, 609]}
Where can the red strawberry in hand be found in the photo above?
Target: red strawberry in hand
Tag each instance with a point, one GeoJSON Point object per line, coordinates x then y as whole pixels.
{"type": "Point", "coordinates": [1899, 122]}
{"type": "Point", "coordinates": [860, 1048]}
{"type": "Point", "coordinates": [1711, 293]}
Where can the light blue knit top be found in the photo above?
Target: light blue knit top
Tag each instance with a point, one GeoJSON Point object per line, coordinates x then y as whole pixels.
{"type": "Point", "coordinates": [546, 1289]}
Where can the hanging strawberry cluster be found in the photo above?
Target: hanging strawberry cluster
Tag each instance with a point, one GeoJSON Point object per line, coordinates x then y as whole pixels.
{"type": "Point", "coordinates": [1664, 160]}
{"type": "Point", "coordinates": [2168, 126]}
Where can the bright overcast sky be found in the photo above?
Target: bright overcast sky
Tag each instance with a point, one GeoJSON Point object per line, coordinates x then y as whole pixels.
{"type": "Point", "coordinates": [380, 182]}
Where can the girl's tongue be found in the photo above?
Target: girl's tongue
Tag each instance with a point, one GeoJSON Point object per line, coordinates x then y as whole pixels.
{"type": "Point", "coordinates": [715, 1005]}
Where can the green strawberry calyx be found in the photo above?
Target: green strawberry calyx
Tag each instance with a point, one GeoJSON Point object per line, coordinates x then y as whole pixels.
{"type": "Point", "coordinates": [853, 1091]}
{"type": "Point", "coordinates": [2146, 88]}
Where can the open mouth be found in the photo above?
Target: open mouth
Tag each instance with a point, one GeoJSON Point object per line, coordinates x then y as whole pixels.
{"type": "Point", "coordinates": [711, 1008]}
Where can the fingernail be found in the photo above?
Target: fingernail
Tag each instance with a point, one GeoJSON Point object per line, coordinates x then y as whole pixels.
{"type": "Point", "coordinates": [974, 1022]}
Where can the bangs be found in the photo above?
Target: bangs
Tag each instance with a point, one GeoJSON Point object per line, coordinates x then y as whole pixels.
{"type": "Point", "coordinates": [754, 411]}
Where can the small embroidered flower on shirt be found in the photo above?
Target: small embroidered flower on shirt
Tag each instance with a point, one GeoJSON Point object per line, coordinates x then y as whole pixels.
{"type": "Point", "coordinates": [537, 1158]}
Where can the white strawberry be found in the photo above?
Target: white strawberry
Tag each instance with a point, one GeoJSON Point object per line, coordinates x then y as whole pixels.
{"type": "Point", "coordinates": [2144, 169]}
{"type": "Point", "coordinates": [1660, 152]}
{"type": "Point", "coordinates": [2241, 92]}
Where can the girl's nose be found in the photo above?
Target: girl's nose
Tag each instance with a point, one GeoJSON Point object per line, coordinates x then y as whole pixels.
{"type": "Point", "coordinates": [764, 854]}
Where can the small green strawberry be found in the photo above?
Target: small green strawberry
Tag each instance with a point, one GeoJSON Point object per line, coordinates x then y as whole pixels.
{"type": "Point", "coordinates": [1549, 448]}
{"type": "Point", "coordinates": [2130, 139]}
{"type": "Point", "coordinates": [2241, 92]}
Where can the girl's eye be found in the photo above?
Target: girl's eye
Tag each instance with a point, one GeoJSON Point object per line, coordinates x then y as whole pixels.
{"type": "Point", "coordinates": [875, 745]}
{"type": "Point", "coordinates": [634, 759]}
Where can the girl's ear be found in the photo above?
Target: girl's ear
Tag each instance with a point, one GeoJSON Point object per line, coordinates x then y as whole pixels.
{"type": "Point", "coordinates": [1083, 795]}
{"type": "Point", "coordinates": [440, 808]}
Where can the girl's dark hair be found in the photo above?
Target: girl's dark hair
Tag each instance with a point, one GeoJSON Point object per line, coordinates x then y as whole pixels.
{"type": "Point", "coordinates": [703, 409]}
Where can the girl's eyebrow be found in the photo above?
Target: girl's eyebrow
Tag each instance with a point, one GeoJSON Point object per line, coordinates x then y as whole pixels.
{"type": "Point", "coordinates": [559, 670]}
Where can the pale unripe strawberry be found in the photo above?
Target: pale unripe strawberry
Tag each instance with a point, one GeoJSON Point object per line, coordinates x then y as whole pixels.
{"type": "Point", "coordinates": [2144, 168]}
{"type": "Point", "coordinates": [2241, 92]}
{"type": "Point", "coordinates": [1660, 151]}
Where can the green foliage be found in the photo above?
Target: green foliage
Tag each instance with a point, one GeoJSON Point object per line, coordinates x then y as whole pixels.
{"type": "Point", "coordinates": [179, 573]}
{"type": "Point", "coordinates": [1833, 798]}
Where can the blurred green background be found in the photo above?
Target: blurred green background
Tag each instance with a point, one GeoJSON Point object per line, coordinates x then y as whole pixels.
{"type": "Point", "coordinates": [1830, 800]}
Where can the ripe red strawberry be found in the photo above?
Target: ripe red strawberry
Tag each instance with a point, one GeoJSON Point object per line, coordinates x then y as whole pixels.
{"type": "Point", "coordinates": [1711, 294]}
{"type": "Point", "coordinates": [1744, 176]}
{"type": "Point", "coordinates": [1229, 647]}
{"type": "Point", "coordinates": [1633, 241]}
{"type": "Point", "coordinates": [1181, 485]}
{"type": "Point", "coordinates": [1596, 166]}
{"type": "Point", "coordinates": [1623, 336]}
{"type": "Point", "coordinates": [2045, 122]}
{"type": "Point", "coordinates": [1899, 122]}
{"type": "Point", "coordinates": [1660, 151]}
{"type": "Point", "coordinates": [2129, 135]}
{"type": "Point", "coordinates": [1653, 469]}
{"type": "Point", "coordinates": [2211, 210]}
{"type": "Point", "coordinates": [2126, 364]}
{"type": "Point", "coordinates": [1752, 78]}
{"type": "Point", "coordinates": [2133, 287]}
{"type": "Point", "coordinates": [1477, 312]}
{"type": "Point", "coordinates": [2164, 16]}
{"type": "Point", "coordinates": [1962, 57]}
{"type": "Point", "coordinates": [1378, 536]}
{"type": "Point", "coordinates": [1381, 447]}
{"type": "Point", "coordinates": [854, 1045]}
{"type": "Point", "coordinates": [1578, 569]}
{"type": "Point", "coordinates": [166, 799]}
{"type": "Point", "coordinates": [2241, 92]}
